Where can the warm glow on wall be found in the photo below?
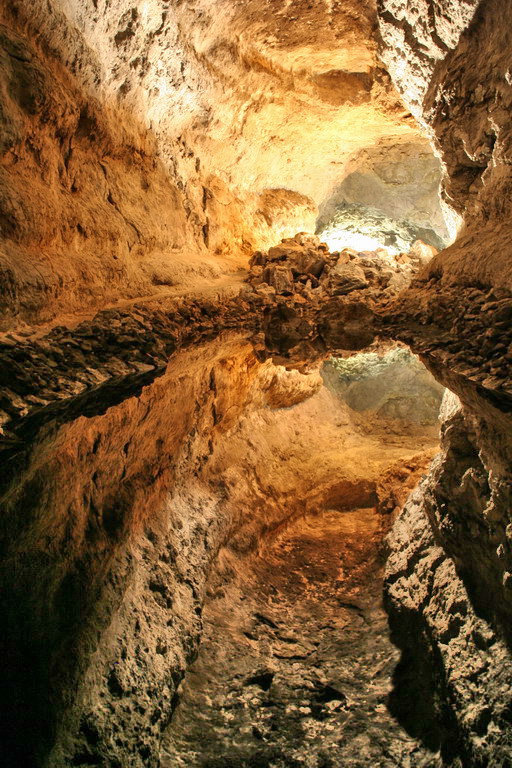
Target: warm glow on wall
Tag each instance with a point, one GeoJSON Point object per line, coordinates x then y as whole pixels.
{"type": "Point", "coordinates": [338, 239]}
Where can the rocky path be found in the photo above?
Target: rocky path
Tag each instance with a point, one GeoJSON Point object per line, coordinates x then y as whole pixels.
{"type": "Point", "coordinates": [295, 665]}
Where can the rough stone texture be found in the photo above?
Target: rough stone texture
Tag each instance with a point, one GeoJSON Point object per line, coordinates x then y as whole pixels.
{"type": "Point", "coordinates": [451, 60]}
{"type": "Point", "coordinates": [151, 145]}
{"type": "Point", "coordinates": [303, 267]}
{"type": "Point", "coordinates": [87, 209]}
{"type": "Point", "coordinates": [102, 592]}
{"type": "Point", "coordinates": [450, 552]}
{"type": "Point", "coordinates": [445, 590]}
{"type": "Point", "coordinates": [400, 181]}
{"type": "Point", "coordinates": [115, 521]}
{"type": "Point", "coordinates": [295, 665]}
{"type": "Point", "coordinates": [418, 35]}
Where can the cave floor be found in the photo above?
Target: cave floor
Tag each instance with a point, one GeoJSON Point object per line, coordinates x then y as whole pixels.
{"type": "Point", "coordinates": [295, 664]}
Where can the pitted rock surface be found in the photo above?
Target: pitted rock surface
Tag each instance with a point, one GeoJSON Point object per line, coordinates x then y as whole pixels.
{"type": "Point", "coordinates": [295, 667]}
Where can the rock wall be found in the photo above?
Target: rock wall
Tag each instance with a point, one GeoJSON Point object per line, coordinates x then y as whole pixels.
{"type": "Point", "coordinates": [152, 145]}
{"type": "Point", "coordinates": [449, 567]}
{"type": "Point", "coordinates": [88, 211]}
{"type": "Point", "coordinates": [400, 180]}
{"type": "Point", "coordinates": [448, 599]}
{"type": "Point", "coordinates": [450, 61]}
{"type": "Point", "coordinates": [112, 591]}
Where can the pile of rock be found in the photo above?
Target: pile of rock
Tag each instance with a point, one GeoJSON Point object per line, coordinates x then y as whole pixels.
{"type": "Point", "coordinates": [302, 265]}
{"type": "Point", "coordinates": [303, 299]}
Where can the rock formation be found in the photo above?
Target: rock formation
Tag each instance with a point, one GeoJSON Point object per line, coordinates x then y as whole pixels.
{"type": "Point", "coordinates": [451, 546]}
{"type": "Point", "coordinates": [210, 418]}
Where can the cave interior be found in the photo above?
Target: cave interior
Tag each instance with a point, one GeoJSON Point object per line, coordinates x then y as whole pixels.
{"type": "Point", "coordinates": [255, 395]}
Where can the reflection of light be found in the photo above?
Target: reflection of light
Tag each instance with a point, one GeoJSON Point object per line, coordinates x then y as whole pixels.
{"type": "Point", "coordinates": [144, 13]}
{"type": "Point", "coordinates": [337, 239]}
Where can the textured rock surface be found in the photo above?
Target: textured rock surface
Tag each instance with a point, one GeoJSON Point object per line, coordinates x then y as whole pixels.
{"type": "Point", "coordinates": [295, 666]}
{"type": "Point", "coordinates": [451, 62]}
{"type": "Point", "coordinates": [150, 145]}
{"type": "Point", "coordinates": [303, 267]}
{"type": "Point", "coordinates": [119, 517]}
{"type": "Point", "coordinates": [102, 593]}
{"type": "Point", "coordinates": [399, 181]}
{"type": "Point", "coordinates": [446, 592]}
{"type": "Point", "coordinates": [450, 562]}
{"type": "Point", "coordinates": [145, 149]}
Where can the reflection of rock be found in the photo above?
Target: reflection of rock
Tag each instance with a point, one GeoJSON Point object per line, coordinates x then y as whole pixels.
{"type": "Point", "coordinates": [446, 596]}
{"type": "Point", "coordinates": [295, 335]}
{"type": "Point", "coordinates": [346, 324]}
{"type": "Point", "coordinates": [393, 386]}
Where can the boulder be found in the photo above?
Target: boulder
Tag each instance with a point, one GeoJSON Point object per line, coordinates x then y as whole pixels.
{"type": "Point", "coordinates": [280, 277]}
{"type": "Point", "coordinates": [421, 252]}
{"type": "Point", "coordinates": [257, 259]}
{"type": "Point", "coordinates": [344, 278]}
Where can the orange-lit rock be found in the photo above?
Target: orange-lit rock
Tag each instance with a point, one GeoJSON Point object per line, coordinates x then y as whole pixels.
{"type": "Point", "coordinates": [121, 516]}
{"type": "Point", "coordinates": [153, 145]}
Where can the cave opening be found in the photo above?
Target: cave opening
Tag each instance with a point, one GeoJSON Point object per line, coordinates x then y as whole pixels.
{"type": "Point", "coordinates": [388, 198]}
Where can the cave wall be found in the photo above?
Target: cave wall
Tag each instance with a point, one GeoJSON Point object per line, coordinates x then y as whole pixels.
{"type": "Point", "coordinates": [401, 180]}
{"type": "Point", "coordinates": [150, 145]}
{"type": "Point", "coordinates": [113, 534]}
{"type": "Point", "coordinates": [115, 522]}
{"type": "Point", "coordinates": [448, 572]}
{"type": "Point", "coordinates": [450, 61]}
{"type": "Point", "coordinates": [448, 597]}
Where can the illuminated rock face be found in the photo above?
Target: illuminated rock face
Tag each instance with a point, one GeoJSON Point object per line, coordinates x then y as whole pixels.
{"type": "Point", "coordinates": [450, 564]}
{"type": "Point", "coordinates": [451, 63]}
{"type": "Point", "coordinates": [150, 145]}
{"type": "Point", "coordinates": [390, 193]}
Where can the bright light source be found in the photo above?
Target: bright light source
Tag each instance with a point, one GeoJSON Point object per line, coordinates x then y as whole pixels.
{"type": "Point", "coordinates": [337, 239]}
